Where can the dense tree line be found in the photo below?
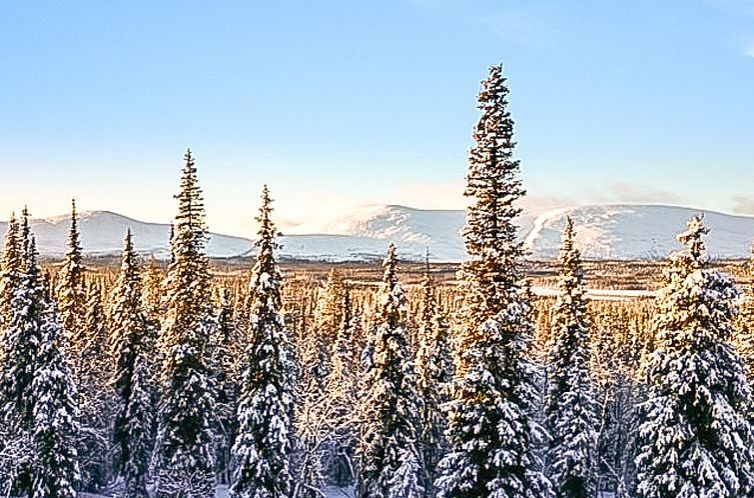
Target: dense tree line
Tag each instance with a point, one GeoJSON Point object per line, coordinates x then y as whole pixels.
{"type": "Point", "coordinates": [168, 381]}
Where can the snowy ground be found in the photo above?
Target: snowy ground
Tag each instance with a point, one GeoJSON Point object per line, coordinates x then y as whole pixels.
{"type": "Point", "coordinates": [599, 294]}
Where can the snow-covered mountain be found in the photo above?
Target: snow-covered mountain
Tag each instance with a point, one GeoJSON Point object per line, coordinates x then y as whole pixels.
{"type": "Point", "coordinates": [626, 232]}
{"type": "Point", "coordinates": [102, 233]}
{"type": "Point", "coordinates": [414, 231]}
{"type": "Point", "coordinates": [622, 232]}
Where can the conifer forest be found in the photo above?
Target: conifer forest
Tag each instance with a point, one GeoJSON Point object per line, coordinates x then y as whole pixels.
{"type": "Point", "coordinates": [188, 377]}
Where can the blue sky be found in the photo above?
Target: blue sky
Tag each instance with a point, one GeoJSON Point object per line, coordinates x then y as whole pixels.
{"type": "Point", "coordinates": [335, 103]}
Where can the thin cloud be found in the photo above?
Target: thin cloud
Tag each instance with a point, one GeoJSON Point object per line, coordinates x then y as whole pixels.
{"type": "Point", "coordinates": [743, 205]}
{"type": "Point", "coordinates": [633, 192]}
{"type": "Point", "coordinates": [441, 195]}
{"type": "Point", "coordinates": [534, 204]}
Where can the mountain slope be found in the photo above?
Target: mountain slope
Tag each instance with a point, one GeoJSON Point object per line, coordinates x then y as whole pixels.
{"type": "Point", "coordinates": [413, 230]}
{"type": "Point", "coordinates": [627, 232]}
{"type": "Point", "coordinates": [622, 232]}
{"type": "Point", "coordinates": [102, 233]}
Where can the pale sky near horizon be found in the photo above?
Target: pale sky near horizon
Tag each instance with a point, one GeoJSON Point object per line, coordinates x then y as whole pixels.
{"type": "Point", "coordinates": [336, 103]}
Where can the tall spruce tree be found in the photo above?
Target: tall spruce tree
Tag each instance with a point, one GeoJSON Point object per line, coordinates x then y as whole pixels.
{"type": "Point", "coordinates": [694, 439]}
{"type": "Point", "coordinates": [71, 293]}
{"type": "Point", "coordinates": [132, 428]}
{"type": "Point", "coordinates": [265, 409]}
{"type": "Point", "coordinates": [139, 415]}
{"type": "Point", "coordinates": [55, 418]}
{"type": "Point", "coordinates": [11, 267]}
{"type": "Point", "coordinates": [434, 371]}
{"type": "Point", "coordinates": [20, 353]}
{"type": "Point", "coordinates": [340, 393]}
{"type": "Point", "coordinates": [329, 313]}
{"type": "Point", "coordinates": [184, 455]}
{"type": "Point", "coordinates": [492, 434]}
{"type": "Point", "coordinates": [570, 404]}
{"type": "Point", "coordinates": [95, 397]}
{"type": "Point", "coordinates": [226, 356]}
{"type": "Point", "coordinates": [153, 303]}
{"type": "Point", "coordinates": [314, 344]}
{"type": "Point", "coordinates": [388, 439]}
{"type": "Point", "coordinates": [38, 391]}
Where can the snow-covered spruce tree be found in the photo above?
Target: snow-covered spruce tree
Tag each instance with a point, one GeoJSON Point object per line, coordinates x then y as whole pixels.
{"type": "Point", "coordinates": [132, 427]}
{"type": "Point", "coordinates": [265, 409]}
{"type": "Point", "coordinates": [406, 481]}
{"type": "Point", "coordinates": [314, 441]}
{"type": "Point", "coordinates": [389, 433]}
{"type": "Point", "coordinates": [55, 417]}
{"type": "Point", "coordinates": [614, 359]}
{"type": "Point", "coordinates": [13, 445]}
{"type": "Point", "coordinates": [95, 397]}
{"type": "Point", "coordinates": [225, 358]}
{"type": "Point", "coordinates": [152, 291]}
{"type": "Point", "coordinates": [492, 434]}
{"type": "Point", "coordinates": [315, 345]}
{"type": "Point", "coordinates": [153, 304]}
{"type": "Point", "coordinates": [695, 441]}
{"type": "Point", "coordinates": [341, 396]}
{"type": "Point", "coordinates": [329, 313]}
{"type": "Point", "coordinates": [38, 390]}
{"type": "Point", "coordinates": [11, 267]}
{"type": "Point", "coordinates": [570, 403]}
{"type": "Point", "coordinates": [70, 292]}
{"type": "Point", "coordinates": [184, 454]}
{"type": "Point", "coordinates": [434, 371]}
{"type": "Point", "coordinates": [20, 352]}
{"type": "Point", "coordinates": [139, 415]}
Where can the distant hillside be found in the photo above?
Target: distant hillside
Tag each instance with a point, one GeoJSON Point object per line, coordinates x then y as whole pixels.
{"type": "Point", "coordinates": [622, 232]}
{"type": "Point", "coordinates": [627, 232]}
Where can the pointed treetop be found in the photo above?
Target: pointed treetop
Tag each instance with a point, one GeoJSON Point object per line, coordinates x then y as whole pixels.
{"type": "Point", "coordinates": [266, 226]}
{"type": "Point", "coordinates": [31, 256]}
{"type": "Point", "coordinates": [13, 249]}
{"type": "Point", "coordinates": [74, 220]}
{"type": "Point", "coordinates": [390, 264]}
{"type": "Point", "coordinates": [492, 182]}
{"type": "Point", "coordinates": [695, 253]}
{"type": "Point", "coordinates": [493, 88]}
{"type": "Point", "coordinates": [266, 244]}
{"type": "Point", "coordinates": [568, 234]}
{"type": "Point", "coordinates": [128, 256]}
{"type": "Point", "coordinates": [25, 229]}
{"type": "Point", "coordinates": [74, 247]}
{"type": "Point", "coordinates": [190, 201]}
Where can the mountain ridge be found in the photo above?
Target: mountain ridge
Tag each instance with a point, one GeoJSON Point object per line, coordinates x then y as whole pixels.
{"type": "Point", "coordinates": [621, 231]}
